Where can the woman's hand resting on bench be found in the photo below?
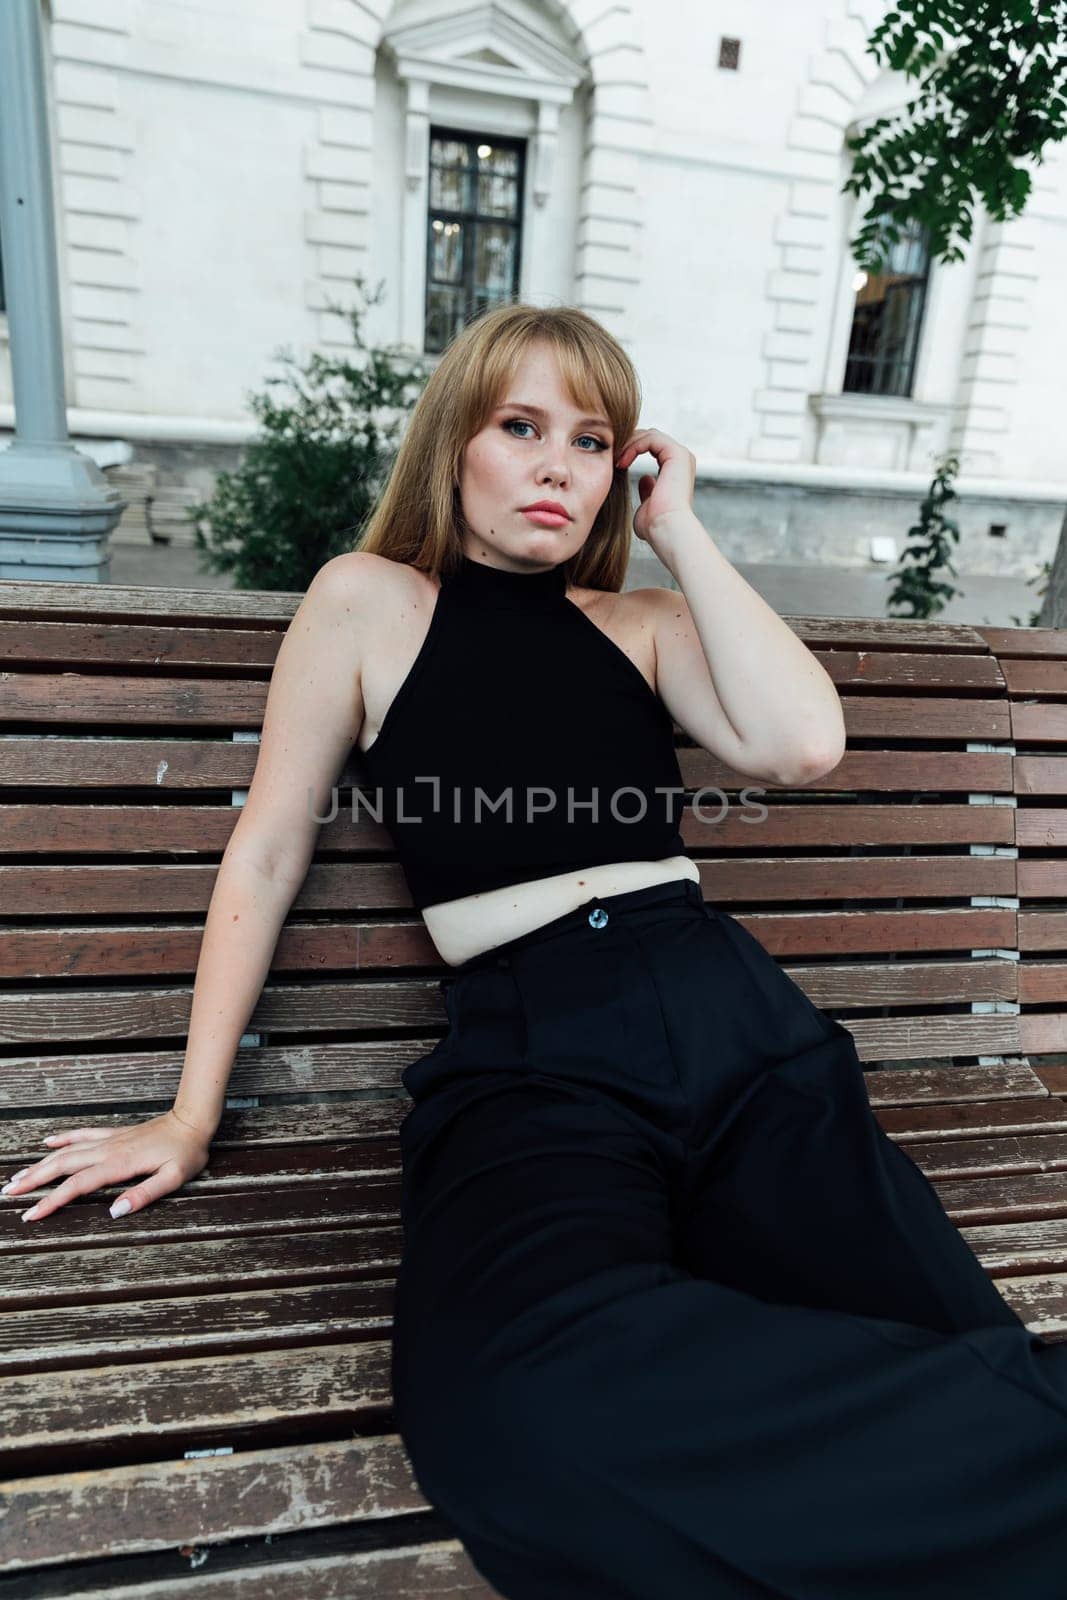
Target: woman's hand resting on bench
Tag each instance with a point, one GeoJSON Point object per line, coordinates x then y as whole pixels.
{"type": "Point", "coordinates": [168, 1150]}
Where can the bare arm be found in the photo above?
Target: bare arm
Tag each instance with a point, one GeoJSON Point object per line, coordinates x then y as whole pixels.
{"type": "Point", "coordinates": [313, 715]}
{"type": "Point", "coordinates": [736, 677]}
{"type": "Point", "coordinates": [248, 906]}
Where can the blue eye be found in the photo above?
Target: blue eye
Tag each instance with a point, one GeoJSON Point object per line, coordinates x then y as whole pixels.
{"type": "Point", "coordinates": [520, 422]}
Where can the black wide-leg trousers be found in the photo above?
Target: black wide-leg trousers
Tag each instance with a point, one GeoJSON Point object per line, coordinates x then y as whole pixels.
{"type": "Point", "coordinates": [676, 1319]}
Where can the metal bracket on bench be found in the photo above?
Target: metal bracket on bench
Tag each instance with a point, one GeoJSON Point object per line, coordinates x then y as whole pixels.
{"type": "Point", "coordinates": [1009, 1008]}
{"type": "Point", "coordinates": [242, 736]}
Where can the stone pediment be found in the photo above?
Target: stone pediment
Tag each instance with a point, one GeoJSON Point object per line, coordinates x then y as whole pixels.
{"type": "Point", "coordinates": [489, 47]}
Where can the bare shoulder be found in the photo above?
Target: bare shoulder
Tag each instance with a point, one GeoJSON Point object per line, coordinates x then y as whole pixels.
{"type": "Point", "coordinates": [359, 587]}
{"type": "Point", "coordinates": [634, 611]}
{"type": "Point", "coordinates": [356, 578]}
{"type": "Point", "coordinates": [663, 610]}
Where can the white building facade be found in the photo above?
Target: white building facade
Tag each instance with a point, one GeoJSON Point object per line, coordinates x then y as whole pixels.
{"type": "Point", "coordinates": [224, 170]}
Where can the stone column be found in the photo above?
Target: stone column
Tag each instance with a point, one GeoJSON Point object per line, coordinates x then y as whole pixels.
{"type": "Point", "coordinates": [57, 509]}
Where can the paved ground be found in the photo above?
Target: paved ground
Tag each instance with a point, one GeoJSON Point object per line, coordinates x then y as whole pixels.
{"type": "Point", "coordinates": [805, 591]}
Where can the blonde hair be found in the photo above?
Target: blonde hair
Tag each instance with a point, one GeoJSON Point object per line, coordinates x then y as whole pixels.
{"type": "Point", "coordinates": [418, 518]}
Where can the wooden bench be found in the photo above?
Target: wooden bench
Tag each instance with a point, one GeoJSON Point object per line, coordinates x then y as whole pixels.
{"type": "Point", "coordinates": [195, 1400]}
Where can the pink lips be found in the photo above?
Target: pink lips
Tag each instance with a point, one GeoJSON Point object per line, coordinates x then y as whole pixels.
{"type": "Point", "coordinates": [547, 519]}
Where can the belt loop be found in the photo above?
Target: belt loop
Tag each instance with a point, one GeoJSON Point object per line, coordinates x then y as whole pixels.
{"type": "Point", "coordinates": [697, 895]}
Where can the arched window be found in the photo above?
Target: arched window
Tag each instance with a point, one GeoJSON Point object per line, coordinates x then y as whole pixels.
{"type": "Point", "coordinates": [887, 318]}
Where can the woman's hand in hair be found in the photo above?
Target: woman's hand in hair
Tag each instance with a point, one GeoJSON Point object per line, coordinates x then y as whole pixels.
{"type": "Point", "coordinates": [666, 497]}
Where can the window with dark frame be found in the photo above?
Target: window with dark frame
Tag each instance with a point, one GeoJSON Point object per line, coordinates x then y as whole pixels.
{"type": "Point", "coordinates": [887, 319]}
{"type": "Point", "coordinates": [473, 229]}
{"type": "Point", "coordinates": [729, 54]}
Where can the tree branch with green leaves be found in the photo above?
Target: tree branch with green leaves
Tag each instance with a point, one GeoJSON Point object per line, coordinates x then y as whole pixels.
{"type": "Point", "coordinates": [990, 96]}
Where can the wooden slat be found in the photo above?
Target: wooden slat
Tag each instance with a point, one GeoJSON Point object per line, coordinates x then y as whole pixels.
{"type": "Point", "coordinates": [248, 1168]}
{"type": "Point", "coordinates": [68, 697]}
{"type": "Point", "coordinates": [177, 688]}
{"type": "Point", "coordinates": [836, 986]}
{"type": "Point", "coordinates": [1041, 827]}
{"type": "Point", "coordinates": [1020, 1247]}
{"type": "Point", "coordinates": [1022, 1197]}
{"type": "Point", "coordinates": [939, 1087]}
{"type": "Point", "coordinates": [166, 952]}
{"type": "Point", "coordinates": [194, 830]}
{"type": "Point", "coordinates": [906, 1124]}
{"type": "Point", "coordinates": [904, 1038]}
{"type": "Point", "coordinates": [212, 763]}
{"type": "Point", "coordinates": [1008, 642]}
{"type": "Point", "coordinates": [168, 890]}
{"type": "Point", "coordinates": [195, 1324]}
{"type": "Point", "coordinates": [1043, 1031]}
{"type": "Point", "coordinates": [260, 1210]}
{"type": "Point", "coordinates": [190, 829]}
{"type": "Point", "coordinates": [894, 717]}
{"type": "Point", "coordinates": [1041, 879]}
{"type": "Point", "coordinates": [818, 878]}
{"type": "Point", "coordinates": [232, 1497]}
{"type": "Point", "coordinates": [112, 1276]}
{"type": "Point", "coordinates": [144, 1079]}
{"type": "Point", "coordinates": [435, 1569]}
{"type": "Point", "coordinates": [994, 1157]}
{"type": "Point", "coordinates": [1042, 981]}
{"type": "Point", "coordinates": [1041, 1302]}
{"type": "Point", "coordinates": [48, 599]}
{"type": "Point", "coordinates": [57, 599]}
{"type": "Point", "coordinates": [1040, 774]}
{"type": "Point", "coordinates": [140, 1077]}
{"type": "Point", "coordinates": [881, 771]}
{"type": "Point", "coordinates": [371, 1116]}
{"type": "Point", "coordinates": [158, 765]}
{"type": "Point", "coordinates": [1044, 677]}
{"type": "Point", "coordinates": [365, 1006]}
{"type": "Point", "coordinates": [160, 951]}
{"type": "Point", "coordinates": [373, 1005]}
{"type": "Point", "coordinates": [910, 669]}
{"type": "Point", "coordinates": [788, 824]}
{"type": "Point", "coordinates": [822, 933]}
{"type": "Point", "coordinates": [1042, 930]}
{"type": "Point", "coordinates": [85, 645]}
{"type": "Point", "coordinates": [1039, 723]}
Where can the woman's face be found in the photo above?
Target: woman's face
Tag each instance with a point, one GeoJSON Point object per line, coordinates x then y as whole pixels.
{"type": "Point", "coordinates": [535, 446]}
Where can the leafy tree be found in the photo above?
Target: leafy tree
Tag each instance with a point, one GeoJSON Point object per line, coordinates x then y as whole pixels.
{"type": "Point", "coordinates": [992, 76]}
{"type": "Point", "coordinates": [308, 481]}
{"type": "Point", "coordinates": [991, 96]}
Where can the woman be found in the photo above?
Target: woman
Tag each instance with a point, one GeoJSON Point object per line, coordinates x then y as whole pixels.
{"type": "Point", "coordinates": [674, 1316]}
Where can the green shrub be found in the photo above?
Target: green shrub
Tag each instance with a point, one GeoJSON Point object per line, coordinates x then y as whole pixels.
{"type": "Point", "coordinates": [307, 483]}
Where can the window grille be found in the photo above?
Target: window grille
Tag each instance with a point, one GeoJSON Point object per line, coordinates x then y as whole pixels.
{"type": "Point", "coordinates": [887, 318]}
{"type": "Point", "coordinates": [474, 229]}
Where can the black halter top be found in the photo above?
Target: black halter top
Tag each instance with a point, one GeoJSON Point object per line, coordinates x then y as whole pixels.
{"type": "Point", "coordinates": [522, 743]}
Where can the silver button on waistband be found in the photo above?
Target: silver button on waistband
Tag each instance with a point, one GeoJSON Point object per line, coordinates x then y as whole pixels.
{"type": "Point", "coordinates": [598, 918]}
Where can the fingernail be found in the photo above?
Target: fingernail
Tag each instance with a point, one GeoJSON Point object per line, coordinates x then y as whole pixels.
{"type": "Point", "coordinates": [120, 1208]}
{"type": "Point", "coordinates": [28, 1216]}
